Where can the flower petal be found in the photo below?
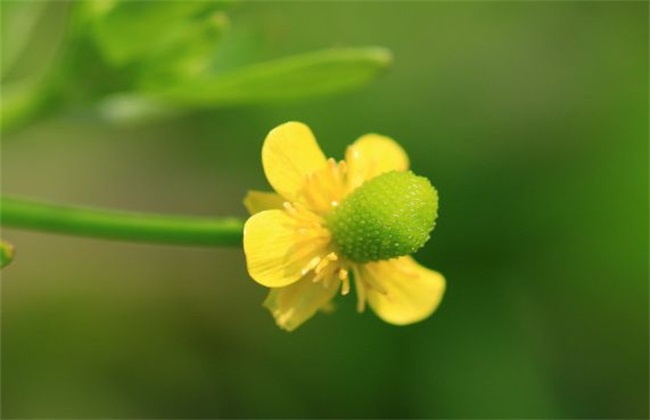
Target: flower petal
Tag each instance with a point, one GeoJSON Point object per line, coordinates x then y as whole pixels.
{"type": "Point", "coordinates": [257, 201]}
{"type": "Point", "coordinates": [293, 305]}
{"type": "Point", "coordinates": [289, 154]}
{"type": "Point", "coordinates": [373, 155]}
{"type": "Point", "coordinates": [401, 291]}
{"type": "Point", "coordinates": [276, 253]}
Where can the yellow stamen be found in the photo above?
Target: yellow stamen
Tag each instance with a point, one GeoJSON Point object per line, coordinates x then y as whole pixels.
{"type": "Point", "coordinates": [331, 257]}
{"type": "Point", "coordinates": [324, 189]}
{"type": "Point", "coordinates": [361, 290]}
{"type": "Point", "coordinates": [289, 208]}
{"type": "Point", "coordinates": [310, 265]}
{"type": "Point", "coordinates": [325, 274]}
{"type": "Point", "coordinates": [345, 286]}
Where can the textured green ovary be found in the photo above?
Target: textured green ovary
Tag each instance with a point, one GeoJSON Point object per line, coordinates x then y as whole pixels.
{"type": "Point", "coordinates": [388, 216]}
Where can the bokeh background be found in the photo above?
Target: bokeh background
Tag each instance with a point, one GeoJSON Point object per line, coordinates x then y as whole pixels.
{"type": "Point", "coordinates": [531, 119]}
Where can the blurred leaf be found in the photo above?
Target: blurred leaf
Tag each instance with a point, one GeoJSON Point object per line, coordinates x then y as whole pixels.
{"type": "Point", "coordinates": [307, 75]}
{"type": "Point", "coordinates": [188, 51]}
{"type": "Point", "coordinates": [18, 21]}
{"type": "Point", "coordinates": [7, 252]}
{"type": "Point", "coordinates": [125, 31]}
{"type": "Point", "coordinates": [23, 101]}
{"type": "Point", "coordinates": [127, 109]}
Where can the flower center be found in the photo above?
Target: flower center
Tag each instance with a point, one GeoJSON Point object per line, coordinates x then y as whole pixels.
{"type": "Point", "coordinates": [386, 217]}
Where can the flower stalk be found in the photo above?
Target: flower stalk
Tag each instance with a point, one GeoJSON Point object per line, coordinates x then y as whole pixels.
{"type": "Point", "coordinates": [120, 225]}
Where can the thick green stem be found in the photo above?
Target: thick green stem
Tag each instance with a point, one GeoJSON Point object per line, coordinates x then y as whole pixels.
{"type": "Point", "coordinates": [119, 225]}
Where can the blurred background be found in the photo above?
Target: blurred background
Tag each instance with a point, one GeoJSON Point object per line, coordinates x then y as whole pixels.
{"type": "Point", "coordinates": [530, 118]}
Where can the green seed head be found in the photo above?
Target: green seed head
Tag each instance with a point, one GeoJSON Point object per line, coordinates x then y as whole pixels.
{"type": "Point", "coordinates": [386, 217]}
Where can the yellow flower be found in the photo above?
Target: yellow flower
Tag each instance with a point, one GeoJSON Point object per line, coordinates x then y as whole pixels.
{"type": "Point", "coordinates": [291, 246]}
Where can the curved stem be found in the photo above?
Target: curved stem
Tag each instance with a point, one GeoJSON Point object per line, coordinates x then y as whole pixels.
{"type": "Point", "coordinates": [119, 225]}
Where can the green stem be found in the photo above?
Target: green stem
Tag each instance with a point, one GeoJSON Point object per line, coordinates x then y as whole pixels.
{"type": "Point", "coordinates": [119, 225]}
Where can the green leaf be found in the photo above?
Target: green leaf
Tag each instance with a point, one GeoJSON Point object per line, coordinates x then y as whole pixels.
{"type": "Point", "coordinates": [22, 102]}
{"type": "Point", "coordinates": [133, 109]}
{"type": "Point", "coordinates": [313, 74]}
{"type": "Point", "coordinates": [125, 31]}
{"type": "Point", "coordinates": [188, 52]}
{"type": "Point", "coordinates": [19, 20]}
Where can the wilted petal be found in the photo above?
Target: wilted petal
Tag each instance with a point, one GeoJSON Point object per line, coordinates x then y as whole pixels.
{"type": "Point", "coordinates": [293, 305]}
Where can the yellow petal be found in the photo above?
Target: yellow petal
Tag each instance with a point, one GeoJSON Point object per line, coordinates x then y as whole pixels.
{"type": "Point", "coordinates": [289, 154]}
{"type": "Point", "coordinates": [401, 291]}
{"type": "Point", "coordinates": [373, 155]}
{"type": "Point", "coordinates": [276, 253]}
{"type": "Point", "coordinates": [257, 201]}
{"type": "Point", "coordinates": [293, 305]}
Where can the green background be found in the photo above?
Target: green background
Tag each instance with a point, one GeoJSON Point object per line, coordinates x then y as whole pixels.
{"type": "Point", "coordinates": [530, 118]}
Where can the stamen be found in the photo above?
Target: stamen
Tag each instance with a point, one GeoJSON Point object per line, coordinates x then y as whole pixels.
{"type": "Point", "coordinates": [322, 275]}
{"type": "Point", "coordinates": [331, 257]}
{"type": "Point", "coordinates": [282, 319]}
{"type": "Point", "coordinates": [361, 290]}
{"type": "Point", "coordinates": [303, 254]}
{"type": "Point", "coordinates": [321, 266]}
{"type": "Point", "coordinates": [310, 265]}
{"type": "Point", "coordinates": [289, 208]}
{"type": "Point", "coordinates": [302, 211]}
{"type": "Point", "coordinates": [324, 189]}
{"type": "Point", "coordinates": [345, 286]}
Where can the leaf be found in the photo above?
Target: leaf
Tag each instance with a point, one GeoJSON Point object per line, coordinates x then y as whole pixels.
{"type": "Point", "coordinates": [18, 27]}
{"type": "Point", "coordinates": [132, 109]}
{"type": "Point", "coordinates": [188, 51]}
{"type": "Point", "coordinates": [312, 74]}
{"type": "Point", "coordinates": [125, 31]}
{"type": "Point", "coordinates": [22, 102]}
